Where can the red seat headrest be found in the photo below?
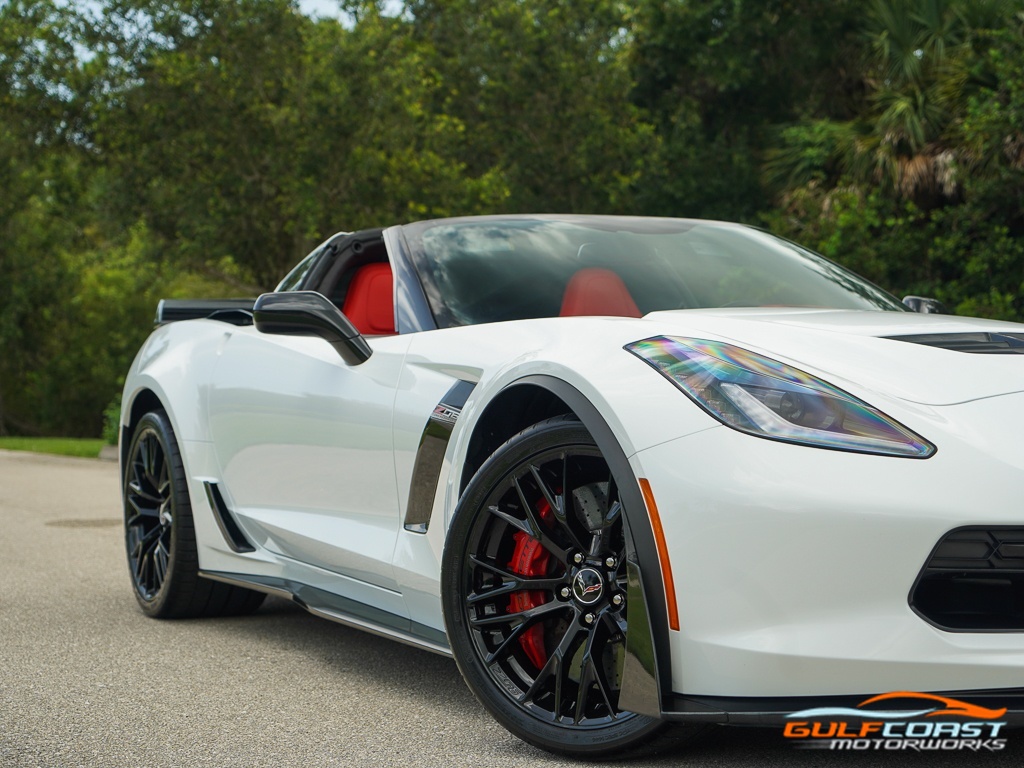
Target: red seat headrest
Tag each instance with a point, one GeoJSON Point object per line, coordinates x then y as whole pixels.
{"type": "Point", "coordinates": [594, 291]}
{"type": "Point", "coordinates": [370, 301]}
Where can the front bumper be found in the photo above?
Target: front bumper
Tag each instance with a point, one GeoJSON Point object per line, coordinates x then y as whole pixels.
{"type": "Point", "coordinates": [793, 566]}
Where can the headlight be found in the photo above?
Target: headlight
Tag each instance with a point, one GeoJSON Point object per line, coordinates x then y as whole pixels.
{"type": "Point", "coordinates": [764, 397]}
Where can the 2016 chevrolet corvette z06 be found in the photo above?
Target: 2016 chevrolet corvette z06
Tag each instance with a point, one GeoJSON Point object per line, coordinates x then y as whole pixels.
{"type": "Point", "coordinates": [635, 475]}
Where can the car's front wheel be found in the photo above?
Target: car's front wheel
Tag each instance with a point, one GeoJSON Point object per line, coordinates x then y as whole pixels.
{"type": "Point", "coordinates": [534, 593]}
{"type": "Point", "coordinates": [160, 535]}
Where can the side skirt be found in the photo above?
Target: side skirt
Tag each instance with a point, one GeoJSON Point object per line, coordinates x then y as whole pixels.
{"type": "Point", "coordinates": [342, 610]}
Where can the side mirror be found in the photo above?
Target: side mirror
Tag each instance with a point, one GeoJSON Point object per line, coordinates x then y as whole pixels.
{"type": "Point", "coordinates": [925, 305]}
{"type": "Point", "coordinates": [308, 313]}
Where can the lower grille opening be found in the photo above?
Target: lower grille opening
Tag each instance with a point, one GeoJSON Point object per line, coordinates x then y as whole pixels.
{"type": "Point", "coordinates": [970, 602]}
{"type": "Point", "coordinates": [974, 581]}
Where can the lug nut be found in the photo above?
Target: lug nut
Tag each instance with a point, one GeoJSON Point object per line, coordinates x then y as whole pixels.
{"type": "Point", "coordinates": [564, 592]}
{"type": "Point", "coordinates": [610, 562]}
{"type": "Point", "coordinates": [577, 558]}
{"type": "Point", "coordinates": [589, 618]}
{"type": "Point", "coordinates": [617, 599]}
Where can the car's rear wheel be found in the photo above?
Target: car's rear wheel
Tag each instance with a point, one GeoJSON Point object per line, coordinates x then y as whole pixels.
{"type": "Point", "coordinates": [533, 589]}
{"type": "Point", "coordinates": [160, 534]}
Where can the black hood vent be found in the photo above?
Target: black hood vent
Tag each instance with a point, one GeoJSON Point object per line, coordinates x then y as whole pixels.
{"type": "Point", "coordinates": [980, 343]}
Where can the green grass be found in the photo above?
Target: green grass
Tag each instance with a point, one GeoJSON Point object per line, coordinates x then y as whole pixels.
{"type": "Point", "coordinates": [62, 446]}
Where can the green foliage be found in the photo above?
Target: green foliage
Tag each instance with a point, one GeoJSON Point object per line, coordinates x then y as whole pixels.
{"type": "Point", "coordinates": [199, 148]}
{"type": "Point", "coordinates": [539, 91]}
{"type": "Point", "coordinates": [112, 421]}
{"type": "Point", "coordinates": [87, 448]}
{"type": "Point", "coordinates": [923, 191]}
{"type": "Point", "coordinates": [719, 77]}
{"type": "Point", "coordinates": [974, 268]}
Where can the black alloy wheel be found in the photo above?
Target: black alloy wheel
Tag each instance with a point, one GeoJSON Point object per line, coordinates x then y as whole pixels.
{"type": "Point", "coordinates": [149, 513]}
{"type": "Point", "coordinates": [534, 593]}
{"type": "Point", "coordinates": [159, 532]}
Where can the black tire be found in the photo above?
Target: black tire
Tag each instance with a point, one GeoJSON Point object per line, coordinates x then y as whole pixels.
{"type": "Point", "coordinates": [540, 515]}
{"type": "Point", "coordinates": [160, 536]}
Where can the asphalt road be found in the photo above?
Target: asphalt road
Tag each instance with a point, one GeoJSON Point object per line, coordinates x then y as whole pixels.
{"type": "Point", "coordinates": [87, 680]}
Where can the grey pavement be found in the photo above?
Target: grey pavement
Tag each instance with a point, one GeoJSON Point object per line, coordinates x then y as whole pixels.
{"type": "Point", "coordinates": [87, 680]}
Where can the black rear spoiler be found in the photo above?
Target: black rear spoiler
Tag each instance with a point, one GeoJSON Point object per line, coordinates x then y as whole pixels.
{"type": "Point", "coordinates": [234, 311]}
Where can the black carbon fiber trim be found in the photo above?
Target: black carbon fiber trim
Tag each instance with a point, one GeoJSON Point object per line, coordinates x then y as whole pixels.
{"type": "Point", "coordinates": [430, 455]}
{"type": "Point", "coordinates": [341, 609]}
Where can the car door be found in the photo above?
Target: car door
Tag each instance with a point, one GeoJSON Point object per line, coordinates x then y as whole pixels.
{"type": "Point", "coordinates": [305, 447]}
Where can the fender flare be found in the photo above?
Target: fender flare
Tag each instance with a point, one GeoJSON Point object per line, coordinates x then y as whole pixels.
{"type": "Point", "coordinates": [646, 672]}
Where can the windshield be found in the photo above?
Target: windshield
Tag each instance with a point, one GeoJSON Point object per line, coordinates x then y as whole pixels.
{"type": "Point", "coordinates": [293, 279]}
{"type": "Point", "coordinates": [490, 269]}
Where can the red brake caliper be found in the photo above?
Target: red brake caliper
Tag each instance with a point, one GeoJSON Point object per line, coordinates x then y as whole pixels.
{"type": "Point", "coordinates": [531, 559]}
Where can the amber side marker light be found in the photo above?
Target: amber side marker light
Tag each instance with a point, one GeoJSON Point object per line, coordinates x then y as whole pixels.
{"type": "Point", "coordinates": [659, 542]}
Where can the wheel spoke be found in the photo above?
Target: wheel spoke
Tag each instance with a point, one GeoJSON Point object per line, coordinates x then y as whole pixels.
{"type": "Point", "coordinates": [554, 665]}
{"type": "Point", "coordinates": [152, 462]}
{"type": "Point", "coordinates": [614, 512]}
{"type": "Point", "coordinates": [165, 482]}
{"type": "Point", "coordinates": [510, 582]}
{"type": "Point", "coordinates": [565, 650]}
{"type": "Point", "coordinates": [135, 487]}
{"type": "Point", "coordinates": [140, 569]}
{"type": "Point", "coordinates": [534, 527]}
{"type": "Point", "coordinates": [615, 623]}
{"type": "Point", "coordinates": [140, 511]}
{"type": "Point", "coordinates": [160, 563]}
{"type": "Point", "coordinates": [514, 635]}
{"type": "Point", "coordinates": [528, 527]}
{"type": "Point", "coordinates": [603, 688]}
{"type": "Point", "coordinates": [550, 669]}
{"type": "Point", "coordinates": [590, 676]}
{"type": "Point", "coordinates": [559, 502]}
{"type": "Point", "coordinates": [554, 502]}
{"type": "Point", "coordinates": [528, 616]}
{"type": "Point", "coordinates": [586, 681]}
{"type": "Point", "coordinates": [599, 538]}
{"type": "Point", "coordinates": [146, 457]}
{"type": "Point", "coordinates": [145, 542]}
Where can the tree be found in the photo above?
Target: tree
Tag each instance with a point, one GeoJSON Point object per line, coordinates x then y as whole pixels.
{"type": "Point", "coordinates": [718, 77]}
{"type": "Point", "coordinates": [920, 70]}
{"type": "Point", "coordinates": [540, 92]}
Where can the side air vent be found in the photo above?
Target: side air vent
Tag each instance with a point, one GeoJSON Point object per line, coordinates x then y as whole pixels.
{"type": "Point", "coordinates": [974, 581]}
{"type": "Point", "coordinates": [430, 455]}
{"type": "Point", "coordinates": [980, 343]}
{"type": "Point", "coordinates": [225, 521]}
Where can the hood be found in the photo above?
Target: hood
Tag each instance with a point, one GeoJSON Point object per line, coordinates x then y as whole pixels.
{"type": "Point", "coordinates": [856, 347]}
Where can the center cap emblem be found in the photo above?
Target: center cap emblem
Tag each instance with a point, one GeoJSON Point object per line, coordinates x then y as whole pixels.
{"type": "Point", "coordinates": [587, 586]}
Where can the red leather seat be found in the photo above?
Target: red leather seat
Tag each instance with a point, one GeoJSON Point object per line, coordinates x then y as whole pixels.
{"type": "Point", "coordinates": [595, 291]}
{"type": "Point", "coordinates": [370, 301]}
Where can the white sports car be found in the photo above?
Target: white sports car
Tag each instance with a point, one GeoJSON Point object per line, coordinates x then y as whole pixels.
{"type": "Point", "coordinates": [629, 472]}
